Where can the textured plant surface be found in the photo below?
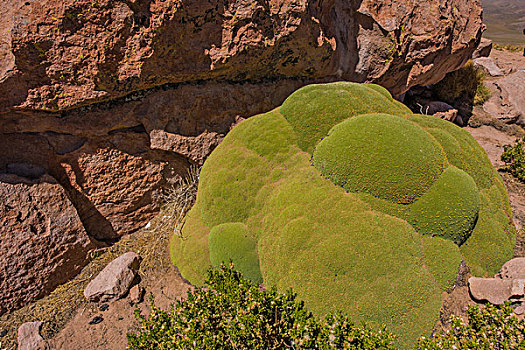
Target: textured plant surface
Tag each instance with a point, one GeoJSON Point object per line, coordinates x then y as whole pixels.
{"type": "Point", "coordinates": [514, 158]}
{"type": "Point", "coordinates": [490, 328]}
{"type": "Point", "coordinates": [233, 313]}
{"type": "Point", "coordinates": [357, 204]}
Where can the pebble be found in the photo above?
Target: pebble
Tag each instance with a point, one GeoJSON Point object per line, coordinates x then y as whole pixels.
{"type": "Point", "coordinates": [96, 320]}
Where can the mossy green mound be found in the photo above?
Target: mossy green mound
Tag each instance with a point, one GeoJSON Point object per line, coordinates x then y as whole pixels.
{"type": "Point", "coordinates": [234, 242]}
{"type": "Point", "coordinates": [449, 209]}
{"type": "Point", "coordinates": [381, 154]}
{"type": "Point", "coordinates": [357, 249]}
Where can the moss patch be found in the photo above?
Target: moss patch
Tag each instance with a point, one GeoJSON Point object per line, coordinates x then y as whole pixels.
{"type": "Point", "coordinates": [313, 110]}
{"type": "Point", "coordinates": [449, 209]}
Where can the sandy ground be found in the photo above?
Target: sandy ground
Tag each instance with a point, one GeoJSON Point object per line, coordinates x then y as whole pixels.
{"type": "Point", "coordinates": [118, 319]}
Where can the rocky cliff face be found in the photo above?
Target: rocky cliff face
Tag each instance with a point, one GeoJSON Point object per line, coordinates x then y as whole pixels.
{"type": "Point", "coordinates": [113, 99]}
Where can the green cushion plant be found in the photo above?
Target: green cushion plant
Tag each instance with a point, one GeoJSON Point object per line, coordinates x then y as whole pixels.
{"type": "Point", "coordinates": [357, 204]}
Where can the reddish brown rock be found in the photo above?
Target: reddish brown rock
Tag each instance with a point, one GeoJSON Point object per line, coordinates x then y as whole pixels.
{"type": "Point", "coordinates": [115, 280]}
{"type": "Point", "coordinates": [484, 48]}
{"type": "Point", "coordinates": [136, 294]}
{"type": "Point", "coordinates": [495, 290]}
{"type": "Point", "coordinates": [42, 240]}
{"type": "Point", "coordinates": [29, 337]}
{"type": "Point", "coordinates": [514, 268]}
{"type": "Point", "coordinates": [61, 54]}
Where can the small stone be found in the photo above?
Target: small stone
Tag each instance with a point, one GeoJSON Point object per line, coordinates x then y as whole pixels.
{"type": "Point", "coordinates": [96, 320]}
{"type": "Point", "coordinates": [29, 336]}
{"type": "Point", "coordinates": [489, 66]}
{"type": "Point", "coordinates": [136, 294]}
{"type": "Point", "coordinates": [114, 281]}
{"type": "Point", "coordinates": [520, 309]}
{"type": "Point", "coordinates": [493, 290]}
{"type": "Point", "coordinates": [450, 115]}
{"type": "Point", "coordinates": [103, 307]}
{"type": "Point", "coordinates": [514, 268]}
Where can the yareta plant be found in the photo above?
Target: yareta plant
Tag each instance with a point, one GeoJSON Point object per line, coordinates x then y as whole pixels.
{"type": "Point", "coordinates": [353, 201]}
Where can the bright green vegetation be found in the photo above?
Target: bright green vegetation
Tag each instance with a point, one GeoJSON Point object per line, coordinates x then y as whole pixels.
{"type": "Point", "coordinates": [354, 209]}
{"type": "Point", "coordinates": [381, 154]}
{"type": "Point", "coordinates": [449, 209]}
{"type": "Point", "coordinates": [233, 313]}
{"type": "Point", "coordinates": [490, 328]}
{"type": "Point", "coordinates": [514, 158]}
{"type": "Point", "coordinates": [322, 108]}
{"type": "Point", "coordinates": [233, 242]}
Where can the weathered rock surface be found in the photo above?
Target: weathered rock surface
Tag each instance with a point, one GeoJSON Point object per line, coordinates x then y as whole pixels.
{"type": "Point", "coordinates": [514, 268]}
{"type": "Point", "coordinates": [484, 48]}
{"type": "Point", "coordinates": [495, 290]}
{"type": "Point", "coordinates": [42, 240]}
{"type": "Point", "coordinates": [136, 294]}
{"type": "Point", "coordinates": [507, 102]}
{"type": "Point", "coordinates": [61, 54]}
{"type": "Point", "coordinates": [29, 337]}
{"type": "Point", "coordinates": [488, 65]}
{"type": "Point", "coordinates": [115, 280]}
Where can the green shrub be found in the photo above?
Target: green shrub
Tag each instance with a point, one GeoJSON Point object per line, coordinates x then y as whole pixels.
{"type": "Point", "coordinates": [508, 47]}
{"type": "Point", "coordinates": [466, 83]}
{"type": "Point", "coordinates": [490, 328]}
{"type": "Point", "coordinates": [514, 158]}
{"type": "Point", "coordinates": [355, 220]}
{"type": "Point", "coordinates": [233, 313]}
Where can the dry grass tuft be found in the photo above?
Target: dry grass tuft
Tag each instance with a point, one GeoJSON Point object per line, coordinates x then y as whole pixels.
{"type": "Point", "coordinates": [509, 47]}
{"type": "Point", "coordinates": [466, 83]}
{"type": "Point", "coordinates": [56, 309]}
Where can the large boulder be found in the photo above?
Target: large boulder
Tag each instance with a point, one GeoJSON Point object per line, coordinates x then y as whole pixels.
{"type": "Point", "coordinates": [42, 240]}
{"type": "Point", "coordinates": [507, 102]}
{"type": "Point", "coordinates": [56, 55]}
{"type": "Point", "coordinates": [356, 203]}
{"type": "Point", "coordinates": [512, 269]}
{"type": "Point", "coordinates": [115, 99]}
{"type": "Point", "coordinates": [495, 290]}
{"type": "Point", "coordinates": [484, 48]}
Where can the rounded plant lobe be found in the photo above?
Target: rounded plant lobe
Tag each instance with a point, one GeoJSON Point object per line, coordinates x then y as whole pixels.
{"type": "Point", "coordinates": [384, 155]}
